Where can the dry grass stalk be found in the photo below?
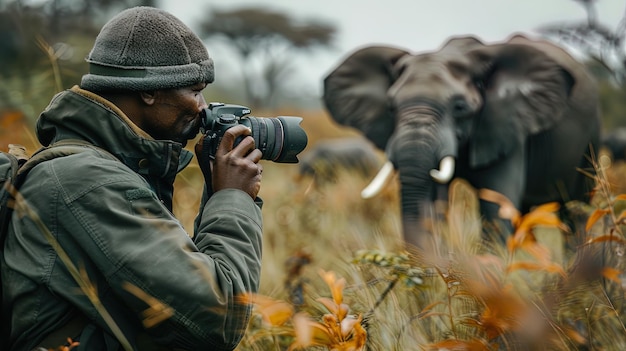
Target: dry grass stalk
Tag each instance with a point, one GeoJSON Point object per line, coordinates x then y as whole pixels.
{"type": "Point", "coordinates": [474, 297]}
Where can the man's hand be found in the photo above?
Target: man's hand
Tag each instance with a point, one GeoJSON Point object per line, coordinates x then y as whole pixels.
{"type": "Point", "coordinates": [236, 168]}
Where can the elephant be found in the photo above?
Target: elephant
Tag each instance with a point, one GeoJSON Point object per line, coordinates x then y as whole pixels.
{"type": "Point", "coordinates": [327, 158]}
{"type": "Point", "coordinates": [615, 143]}
{"type": "Point", "coordinates": [518, 117]}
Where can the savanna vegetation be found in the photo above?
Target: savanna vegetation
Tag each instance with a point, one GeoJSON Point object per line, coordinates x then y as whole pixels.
{"type": "Point", "coordinates": [337, 277]}
{"type": "Point", "coordinates": [334, 263]}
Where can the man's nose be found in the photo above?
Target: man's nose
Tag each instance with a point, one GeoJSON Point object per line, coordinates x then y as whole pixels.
{"type": "Point", "coordinates": [202, 102]}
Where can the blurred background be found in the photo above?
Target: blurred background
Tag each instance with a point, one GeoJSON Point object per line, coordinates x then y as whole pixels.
{"type": "Point", "coordinates": [275, 53]}
{"type": "Point", "coordinates": [272, 55]}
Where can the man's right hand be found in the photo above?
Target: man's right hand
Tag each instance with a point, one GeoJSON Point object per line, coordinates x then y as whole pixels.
{"type": "Point", "coordinates": [236, 168]}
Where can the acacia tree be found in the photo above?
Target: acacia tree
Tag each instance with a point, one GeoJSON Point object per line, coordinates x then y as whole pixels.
{"type": "Point", "coordinates": [605, 48]}
{"type": "Point", "coordinates": [23, 22]}
{"type": "Point", "coordinates": [595, 39]}
{"type": "Point", "coordinates": [263, 41]}
{"type": "Point", "coordinates": [43, 45]}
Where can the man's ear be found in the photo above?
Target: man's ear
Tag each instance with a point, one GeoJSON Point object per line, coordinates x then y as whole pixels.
{"type": "Point", "coordinates": [148, 97]}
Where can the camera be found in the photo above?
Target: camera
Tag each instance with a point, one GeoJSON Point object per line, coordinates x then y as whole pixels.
{"type": "Point", "coordinates": [280, 139]}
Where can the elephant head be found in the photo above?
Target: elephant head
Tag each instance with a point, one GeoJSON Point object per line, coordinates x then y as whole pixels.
{"type": "Point", "coordinates": [469, 102]}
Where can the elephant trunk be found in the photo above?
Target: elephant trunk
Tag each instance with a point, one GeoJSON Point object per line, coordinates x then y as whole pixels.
{"type": "Point", "coordinates": [424, 157]}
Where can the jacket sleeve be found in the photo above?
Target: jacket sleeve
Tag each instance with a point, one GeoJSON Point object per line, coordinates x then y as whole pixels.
{"type": "Point", "coordinates": [230, 231]}
{"type": "Point", "coordinates": [183, 290]}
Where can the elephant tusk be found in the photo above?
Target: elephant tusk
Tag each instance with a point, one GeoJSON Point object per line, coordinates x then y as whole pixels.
{"type": "Point", "coordinates": [445, 171]}
{"type": "Point", "coordinates": [381, 179]}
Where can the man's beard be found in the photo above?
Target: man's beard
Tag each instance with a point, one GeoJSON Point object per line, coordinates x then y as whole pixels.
{"type": "Point", "coordinates": [189, 132]}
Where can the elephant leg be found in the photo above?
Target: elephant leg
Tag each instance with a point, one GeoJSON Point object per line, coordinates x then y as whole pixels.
{"type": "Point", "coordinates": [506, 177]}
{"type": "Point", "coordinates": [554, 160]}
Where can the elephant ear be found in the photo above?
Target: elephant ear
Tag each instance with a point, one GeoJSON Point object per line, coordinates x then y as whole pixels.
{"type": "Point", "coordinates": [525, 93]}
{"type": "Point", "coordinates": [355, 93]}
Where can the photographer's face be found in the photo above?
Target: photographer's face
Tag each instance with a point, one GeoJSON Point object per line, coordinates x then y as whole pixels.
{"type": "Point", "coordinates": [174, 114]}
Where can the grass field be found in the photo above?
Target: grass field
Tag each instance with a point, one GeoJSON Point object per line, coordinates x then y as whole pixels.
{"type": "Point", "coordinates": [333, 260]}
{"type": "Point", "coordinates": [336, 275]}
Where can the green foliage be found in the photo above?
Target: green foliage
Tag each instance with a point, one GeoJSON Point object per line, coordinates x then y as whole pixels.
{"type": "Point", "coordinates": [613, 102]}
{"type": "Point", "coordinates": [43, 45]}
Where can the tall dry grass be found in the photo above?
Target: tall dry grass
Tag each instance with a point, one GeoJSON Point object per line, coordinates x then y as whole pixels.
{"type": "Point", "coordinates": [537, 292]}
{"type": "Point", "coordinates": [336, 276]}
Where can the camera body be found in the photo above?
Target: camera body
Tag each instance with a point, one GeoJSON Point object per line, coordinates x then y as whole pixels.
{"type": "Point", "coordinates": [280, 139]}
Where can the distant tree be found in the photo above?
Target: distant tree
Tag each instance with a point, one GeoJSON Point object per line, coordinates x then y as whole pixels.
{"type": "Point", "coordinates": [43, 45]}
{"type": "Point", "coordinates": [264, 41]}
{"type": "Point", "coordinates": [24, 24]}
{"type": "Point", "coordinates": [595, 39]}
{"type": "Point", "coordinates": [613, 105]}
{"type": "Point", "coordinates": [611, 96]}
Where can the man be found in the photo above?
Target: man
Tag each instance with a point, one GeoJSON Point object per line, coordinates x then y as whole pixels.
{"type": "Point", "coordinates": [145, 284]}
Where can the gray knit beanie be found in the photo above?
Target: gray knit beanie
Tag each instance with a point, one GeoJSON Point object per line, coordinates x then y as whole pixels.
{"type": "Point", "coordinates": [145, 48]}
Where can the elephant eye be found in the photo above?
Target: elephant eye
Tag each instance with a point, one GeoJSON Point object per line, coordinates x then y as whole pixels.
{"type": "Point", "coordinates": [479, 84]}
{"type": "Point", "coordinates": [460, 106]}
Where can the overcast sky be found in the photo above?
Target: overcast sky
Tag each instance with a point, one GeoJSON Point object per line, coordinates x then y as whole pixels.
{"type": "Point", "coordinates": [417, 25]}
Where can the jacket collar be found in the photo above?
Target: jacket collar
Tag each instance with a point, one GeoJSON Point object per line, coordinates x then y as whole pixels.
{"type": "Point", "coordinates": [80, 114]}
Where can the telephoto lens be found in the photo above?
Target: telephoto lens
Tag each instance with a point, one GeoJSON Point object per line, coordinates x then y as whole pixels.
{"type": "Point", "coordinates": [280, 139]}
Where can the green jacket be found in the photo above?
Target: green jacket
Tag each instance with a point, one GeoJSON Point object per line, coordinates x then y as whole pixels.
{"type": "Point", "coordinates": [113, 220]}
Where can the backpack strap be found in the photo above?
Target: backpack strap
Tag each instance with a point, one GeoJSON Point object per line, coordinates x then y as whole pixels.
{"type": "Point", "coordinates": [19, 151]}
{"type": "Point", "coordinates": [20, 166]}
{"type": "Point", "coordinates": [9, 180]}
{"type": "Point", "coordinates": [61, 148]}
